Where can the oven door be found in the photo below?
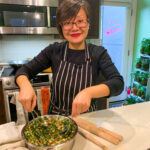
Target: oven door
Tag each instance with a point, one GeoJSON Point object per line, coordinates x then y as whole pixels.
{"type": "Point", "coordinates": [16, 112]}
{"type": "Point", "coordinates": [10, 105]}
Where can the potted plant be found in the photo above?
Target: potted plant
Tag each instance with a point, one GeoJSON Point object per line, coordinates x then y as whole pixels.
{"type": "Point", "coordinates": [138, 100]}
{"type": "Point", "coordinates": [145, 46]}
{"type": "Point", "coordinates": [143, 43]}
{"type": "Point", "coordinates": [145, 64]}
{"type": "Point", "coordinates": [135, 89]}
{"type": "Point", "coordinates": [144, 78]}
{"type": "Point", "coordinates": [138, 76]}
{"type": "Point", "coordinates": [139, 92]}
{"type": "Point", "coordinates": [130, 100]}
{"type": "Point", "coordinates": [138, 63]}
{"type": "Point", "coordinates": [143, 91]}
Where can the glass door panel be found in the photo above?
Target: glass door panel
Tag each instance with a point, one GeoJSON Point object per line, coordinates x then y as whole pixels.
{"type": "Point", "coordinates": [113, 38]}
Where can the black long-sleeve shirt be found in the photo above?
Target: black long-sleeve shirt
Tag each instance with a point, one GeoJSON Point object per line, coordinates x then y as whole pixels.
{"type": "Point", "coordinates": [101, 63]}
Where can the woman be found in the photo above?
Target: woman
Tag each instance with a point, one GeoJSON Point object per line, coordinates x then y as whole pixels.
{"type": "Point", "coordinates": [76, 66]}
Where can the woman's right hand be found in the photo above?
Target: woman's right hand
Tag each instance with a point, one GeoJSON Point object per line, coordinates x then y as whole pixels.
{"type": "Point", "coordinates": [27, 96]}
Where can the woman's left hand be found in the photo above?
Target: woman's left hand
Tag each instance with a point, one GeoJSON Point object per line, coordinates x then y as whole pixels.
{"type": "Point", "coordinates": [81, 103]}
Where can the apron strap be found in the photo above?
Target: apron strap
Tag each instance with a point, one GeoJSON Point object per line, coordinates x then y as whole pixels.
{"type": "Point", "coordinates": [87, 54]}
{"type": "Point", "coordinates": [65, 53]}
{"type": "Point", "coordinates": [57, 110]}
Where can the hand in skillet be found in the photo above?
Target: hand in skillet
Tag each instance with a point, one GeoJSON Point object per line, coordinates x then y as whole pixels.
{"type": "Point", "coordinates": [81, 103]}
{"type": "Point", "coordinates": [27, 96]}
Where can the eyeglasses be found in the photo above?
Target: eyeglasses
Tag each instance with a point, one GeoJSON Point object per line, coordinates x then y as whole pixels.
{"type": "Point", "coordinates": [81, 23]}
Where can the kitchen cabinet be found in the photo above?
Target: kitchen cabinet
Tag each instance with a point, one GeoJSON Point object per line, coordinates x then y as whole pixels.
{"type": "Point", "coordinates": [2, 106]}
{"type": "Point", "coordinates": [94, 20]}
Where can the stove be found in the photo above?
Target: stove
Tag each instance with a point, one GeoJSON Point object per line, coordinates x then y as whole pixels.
{"type": "Point", "coordinates": [7, 71]}
{"type": "Point", "coordinates": [7, 74]}
{"type": "Point", "coordinates": [41, 79]}
{"type": "Point", "coordinates": [11, 90]}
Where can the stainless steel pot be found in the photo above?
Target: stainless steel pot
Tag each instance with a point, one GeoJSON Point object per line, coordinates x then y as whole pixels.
{"type": "Point", "coordinates": [68, 145]}
{"type": "Point", "coordinates": [16, 64]}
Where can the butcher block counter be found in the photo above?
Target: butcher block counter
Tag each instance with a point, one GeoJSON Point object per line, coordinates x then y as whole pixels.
{"type": "Point", "coordinates": [132, 122]}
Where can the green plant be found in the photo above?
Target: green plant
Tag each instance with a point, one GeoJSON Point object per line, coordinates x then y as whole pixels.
{"type": "Point", "coordinates": [143, 91]}
{"type": "Point", "coordinates": [145, 63]}
{"type": "Point", "coordinates": [139, 93]}
{"type": "Point", "coordinates": [135, 89]}
{"type": "Point", "coordinates": [138, 100]}
{"type": "Point", "coordinates": [138, 76]}
{"type": "Point", "coordinates": [130, 100]}
{"type": "Point", "coordinates": [144, 78]}
{"type": "Point", "coordinates": [145, 46]}
{"type": "Point", "coordinates": [138, 63]}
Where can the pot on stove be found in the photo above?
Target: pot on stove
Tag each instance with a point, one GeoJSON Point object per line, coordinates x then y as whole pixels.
{"type": "Point", "coordinates": [16, 64]}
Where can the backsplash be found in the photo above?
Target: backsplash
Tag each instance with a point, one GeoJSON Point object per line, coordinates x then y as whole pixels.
{"type": "Point", "coordinates": [20, 47]}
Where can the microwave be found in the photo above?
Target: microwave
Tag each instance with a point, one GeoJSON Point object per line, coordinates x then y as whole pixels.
{"type": "Point", "coordinates": [28, 16]}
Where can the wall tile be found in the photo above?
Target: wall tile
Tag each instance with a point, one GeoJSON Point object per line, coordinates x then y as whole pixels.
{"type": "Point", "coordinates": [20, 47]}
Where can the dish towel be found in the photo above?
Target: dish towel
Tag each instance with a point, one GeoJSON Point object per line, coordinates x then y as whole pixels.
{"type": "Point", "coordinates": [39, 101]}
{"type": "Point", "coordinates": [9, 133]}
{"type": "Point", "coordinates": [43, 100]}
{"type": "Point", "coordinates": [45, 94]}
{"type": "Point", "coordinates": [21, 118]}
{"type": "Point", "coordinates": [20, 145]}
{"type": "Point", "coordinates": [10, 137]}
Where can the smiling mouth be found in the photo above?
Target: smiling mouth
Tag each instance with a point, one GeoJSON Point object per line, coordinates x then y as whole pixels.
{"type": "Point", "coordinates": [75, 35]}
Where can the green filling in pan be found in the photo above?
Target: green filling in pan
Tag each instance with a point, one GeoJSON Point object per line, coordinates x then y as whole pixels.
{"type": "Point", "coordinates": [58, 131]}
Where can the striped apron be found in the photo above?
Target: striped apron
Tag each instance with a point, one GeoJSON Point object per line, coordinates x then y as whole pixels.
{"type": "Point", "coordinates": [68, 81]}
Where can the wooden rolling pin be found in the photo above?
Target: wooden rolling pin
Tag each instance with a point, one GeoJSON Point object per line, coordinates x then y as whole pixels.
{"type": "Point", "coordinates": [101, 132]}
{"type": "Point", "coordinates": [92, 139]}
{"type": "Point", "coordinates": [119, 137]}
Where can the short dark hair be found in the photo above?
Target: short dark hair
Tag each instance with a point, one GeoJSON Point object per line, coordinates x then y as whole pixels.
{"type": "Point", "coordinates": [69, 9]}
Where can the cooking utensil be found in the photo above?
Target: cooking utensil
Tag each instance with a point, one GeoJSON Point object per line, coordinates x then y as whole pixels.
{"type": "Point", "coordinates": [64, 146]}
{"type": "Point", "coordinates": [66, 129]}
{"type": "Point", "coordinates": [41, 121]}
{"type": "Point", "coordinates": [92, 138]}
{"type": "Point", "coordinates": [117, 136]}
{"type": "Point", "coordinates": [109, 135]}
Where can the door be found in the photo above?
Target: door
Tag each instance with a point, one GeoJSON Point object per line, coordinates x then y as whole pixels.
{"type": "Point", "coordinates": [115, 21]}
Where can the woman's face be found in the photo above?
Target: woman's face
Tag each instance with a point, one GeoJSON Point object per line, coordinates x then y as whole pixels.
{"type": "Point", "coordinates": [76, 30]}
